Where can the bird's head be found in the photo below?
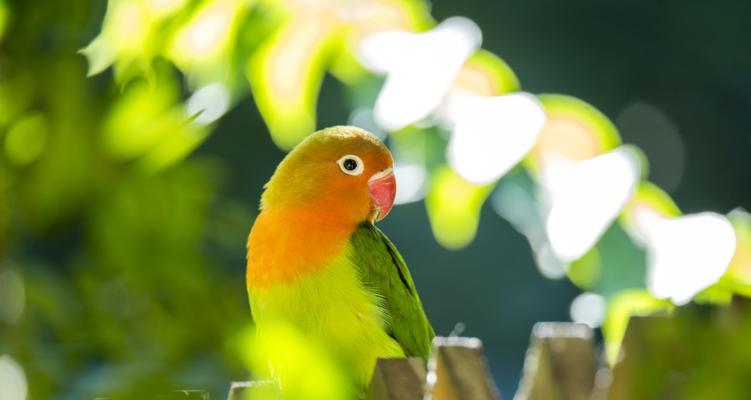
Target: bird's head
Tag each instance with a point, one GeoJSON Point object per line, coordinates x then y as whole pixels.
{"type": "Point", "coordinates": [341, 172]}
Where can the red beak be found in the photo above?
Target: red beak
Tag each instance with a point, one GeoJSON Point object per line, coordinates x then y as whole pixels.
{"type": "Point", "coordinates": [382, 188]}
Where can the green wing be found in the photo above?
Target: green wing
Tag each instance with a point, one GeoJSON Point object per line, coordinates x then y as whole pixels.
{"type": "Point", "coordinates": [383, 271]}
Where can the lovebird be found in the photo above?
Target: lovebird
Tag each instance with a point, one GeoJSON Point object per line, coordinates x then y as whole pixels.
{"type": "Point", "coordinates": [316, 260]}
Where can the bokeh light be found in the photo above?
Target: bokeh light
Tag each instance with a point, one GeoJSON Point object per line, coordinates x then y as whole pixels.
{"type": "Point", "coordinates": [25, 140]}
{"type": "Point", "coordinates": [208, 103]}
{"type": "Point", "coordinates": [685, 254]}
{"type": "Point", "coordinates": [491, 134]}
{"type": "Point", "coordinates": [12, 379]}
{"type": "Point", "coordinates": [585, 197]}
{"type": "Point", "coordinates": [410, 182]}
{"type": "Point", "coordinates": [651, 129]}
{"type": "Point", "coordinates": [420, 68]}
{"type": "Point", "coordinates": [588, 308]}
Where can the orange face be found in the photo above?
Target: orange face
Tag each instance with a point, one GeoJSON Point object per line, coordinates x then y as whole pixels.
{"type": "Point", "coordinates": [341, 173]}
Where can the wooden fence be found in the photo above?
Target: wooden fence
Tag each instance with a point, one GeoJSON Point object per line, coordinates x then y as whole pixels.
{"type": "Point", "coordinates": [699, 352]}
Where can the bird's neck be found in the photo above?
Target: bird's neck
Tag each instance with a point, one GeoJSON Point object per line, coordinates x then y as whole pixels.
{"type": "Point", "coordinates": [287, 242]}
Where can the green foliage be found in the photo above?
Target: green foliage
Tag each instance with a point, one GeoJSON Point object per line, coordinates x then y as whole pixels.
{"type": "Point", "coordinates": [280, 345]}
{"type": "Point", "coordinates": [107, 225]}
{"type": "Point", "coordinates": [106, 217]}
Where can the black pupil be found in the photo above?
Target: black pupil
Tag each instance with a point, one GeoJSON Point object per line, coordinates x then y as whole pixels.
{"type": "Point", "coordinates": [350, 164]}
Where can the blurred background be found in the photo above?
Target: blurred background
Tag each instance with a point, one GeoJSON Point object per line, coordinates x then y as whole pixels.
{"type": "Point", "coordinates": [136, 136]}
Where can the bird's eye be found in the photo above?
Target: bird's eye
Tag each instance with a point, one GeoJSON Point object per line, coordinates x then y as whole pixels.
{"type": "Point", "coordinates": [351, 165]}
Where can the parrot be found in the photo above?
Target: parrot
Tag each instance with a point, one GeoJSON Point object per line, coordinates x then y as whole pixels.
{"type": "Point", "coordinates": [316, 261]}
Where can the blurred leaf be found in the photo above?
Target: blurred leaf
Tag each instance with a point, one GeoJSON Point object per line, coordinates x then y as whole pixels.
{"type": "Point", "coordinates": [716, 294]}
{"type": "Point", "coordinates": [140, 117]}
{"type": "Point", "coordinates": [3, 17]}
{"type": "Point", "coordinates": [574, 130]}
{"type": "Point", "coordinates": [16, 94]}
{"type": "Point", "coordinates": [619, 264]}
{"type": "Point", "coordinates": [586, 271]}
{"type": "Point", "coordinates": [454, 208]}
{"type": "Point", "coordinates": [203, 47]}
{"type": "Point", "coordinates": [25, 139]}
{"type": "Point", "coordinates": [647, 197]}
{"type": "Point", "coordinates": [283, 354]}
{"type": "Point", "coordinates": [61, 180]}
{"type": "Point", "coordinates": [737, 278]}
{"type": "Point", "coordinates": [621, 308]}
{"type": "Point", "coordinates": [381, 15]}
{"type": "Point", "coordinates": [133, 34]}
{"type": "Point", "coordinates": [153, 256]}
{"type": "Point", "coordinates": [149, 123]}
{"type": "Point", "coordinates": [486, 74]}
{"type": "Point", "coordinates": [739, 271]}
{"type": "Point", "coordinates": [286, 72]}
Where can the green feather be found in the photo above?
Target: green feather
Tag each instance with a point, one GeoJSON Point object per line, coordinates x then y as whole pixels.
{"type": "Point", "coordinates": [385, 273]}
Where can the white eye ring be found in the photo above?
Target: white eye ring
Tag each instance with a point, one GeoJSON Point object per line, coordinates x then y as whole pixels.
{"type": "Point", "coordinates": [351, 165]}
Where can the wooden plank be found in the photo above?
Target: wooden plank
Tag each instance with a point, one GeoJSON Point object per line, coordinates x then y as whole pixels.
{"type": "Point", "coordinates": [560, 363]}
{"type": "Point", "coordinates": [457, 370]}
{"type": "Point", "coordinates": [697, 352]}
{"type": "Point", "coordinates": [643, 335]}
{"type": "Point", "coordinates": [397, 379]}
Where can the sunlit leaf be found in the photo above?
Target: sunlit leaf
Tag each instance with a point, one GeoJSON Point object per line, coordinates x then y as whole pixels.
{"type": "Point", "coordinates": [620, 309]}
{"type": "Point", "coordinates": [586, 271]}
{"type": "Point", "coordinates": [129, 37]}
{"type": "Point", "coordinates": [16, 94]}
{"type": "Point", "coordinates": [149, 122]}
{"type": "Point", "coordinates": [286, 72]}
{"type": "Point", "coordinates": [685, 254]}
{"type": "Point", "coordinates": [203, 46]}
{"type": "Point", "coordinates": [491, 134]}
{"type": "Point", "coordinates": [26, 139]}
{"type": "Point", "coordinates": [370, 17]}
{"type": "Point", "coordinates": [486, 74]}
{"type": "Point", "coordinates": [651, 197]}
{"type": "Point", "coordinates": [140, 118]}
{"type": "Point", "coordinates": [3, 17]}
{"type": "Point", "coordinates": [739, 271]}
{"type": "Point", "coordinates": [454, 208]}
{"type": "Point", "coordinates": [285, 355]}
{"type": "Point", "coordinates": [585, 197]}
{"type": "Point", "coordinates": [419, 67]}
{"type": "Point", "coordinates": [574, 130]}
